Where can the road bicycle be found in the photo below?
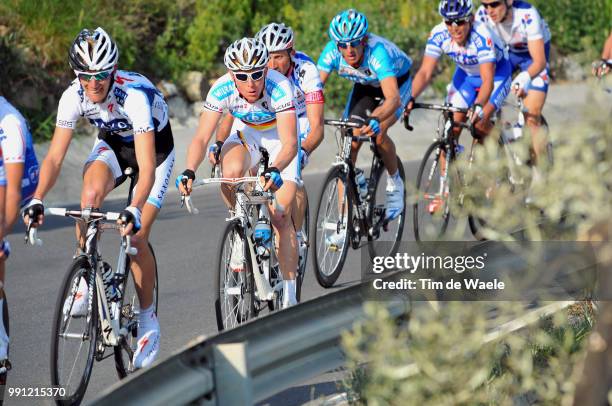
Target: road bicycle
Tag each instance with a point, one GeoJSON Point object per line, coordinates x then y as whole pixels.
{"type": "Point", "coordinates": [244, 290]}
{"type": "Point", "coordinates": [110, 321]}
{"type": "Point", "coordinates": [347, 212]}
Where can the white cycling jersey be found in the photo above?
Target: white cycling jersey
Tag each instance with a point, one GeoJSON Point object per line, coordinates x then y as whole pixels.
{"type": "Point", "coordinates": [308, 88]}
{"type": "Point", "coordinates": [526, 25]}
{"type": "Point", "coordinates": [133, 106]}
{"type": "Point", "coordinates": [482, 46]}
{"type": "Point", "coordinates": [277, 98]}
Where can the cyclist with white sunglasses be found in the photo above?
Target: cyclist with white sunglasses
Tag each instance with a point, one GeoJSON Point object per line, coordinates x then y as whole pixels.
{"type": "Point", "coordinates": [135, 132]}
{"type": "Point", "coordinates": [262, 99]}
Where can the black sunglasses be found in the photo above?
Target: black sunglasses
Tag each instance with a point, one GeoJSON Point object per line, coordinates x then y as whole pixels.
{"type": "Point", "coordinates": [255, 76]}
{"type": "Point", "coordinates": [493, 4]}
{"type": "Point", "coordinates": [457, 21]}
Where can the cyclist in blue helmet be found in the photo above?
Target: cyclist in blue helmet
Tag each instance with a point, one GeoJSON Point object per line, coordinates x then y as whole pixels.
{"type": "Point", "coordinates": [381, 73]}
{"type": "Point", "coordinates": [483, 72]}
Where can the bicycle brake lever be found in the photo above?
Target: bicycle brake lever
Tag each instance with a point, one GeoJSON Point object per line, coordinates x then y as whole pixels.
{"type": "Point", "coordinates": [31, 236]}
{"type": "Point", "coordinates": [128, 246]}
{"type": "Point", "coordinates": [189, 205]}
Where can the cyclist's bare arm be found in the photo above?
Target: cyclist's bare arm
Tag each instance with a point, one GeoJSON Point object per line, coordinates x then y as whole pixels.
{"type": "Point", "coordinates": [606, 54]}
{"type": "Point", "coordinates": [225, 127]}
{"type": "Point", "coordinates": [286, 124]}
{"type": "Point", "coordinates": [314, 112]}
{"type": "Point", "coordinates": [423, 76]}
{"type": "Point", "coordinates": [14, 174]}
{"type": "Point", "coordinates": [197, 148]}
{"type": "Point", "coordinates": [52, 164]}
{"type": "Point", "coordinates": [324, 76]}
{"type": "Point", "coordinates": [538, 57]}
{"type": "Point", "coordinates": [392, 99]}
{"type": "Point", "coordinates": [487, 74]}
{"type": "Point", "coordinates": [144, 144]}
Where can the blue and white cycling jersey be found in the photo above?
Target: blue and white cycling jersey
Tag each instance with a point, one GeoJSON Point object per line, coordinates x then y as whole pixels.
{"type": "Point", "coordinates": [133, 106]}
{"type": "Point", "coordinates": [16, 147]}
{"type": "Point", "coordinates": [482, 46]}
{"type": "Point", "coordinates": [526, 25]}
{"type": "Point", "coordinates": [382, 59]}
{"type": "Point", "coordinates": [261, 115]}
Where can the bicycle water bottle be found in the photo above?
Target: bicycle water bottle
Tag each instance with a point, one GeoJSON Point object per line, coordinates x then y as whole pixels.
{"type": "Point", "coordinates": [361, 183]}
{"type": "Point", "coordinates": [110, 290]}
{"type": "Point", "coordinates": [263, 236]}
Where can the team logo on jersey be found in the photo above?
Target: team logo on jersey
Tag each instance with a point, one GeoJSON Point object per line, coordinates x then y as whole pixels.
{"type": "Point", "coordinates": [120, 96]}
{"type": "Point", "coordinates": [490, 42]}
{"type": "Point", "coordinates": [527, 19]}
{"type": "Point", "coordinates": [33, 174]}
{"type": "Point", "coordinates": [111, 107]}
{"type": "Point", "coordinates": [122, 79]}
{"type": "Point", "coordinates": [102, 148]}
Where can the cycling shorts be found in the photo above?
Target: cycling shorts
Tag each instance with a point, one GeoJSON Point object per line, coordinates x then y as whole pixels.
{"type": "Point", "coordinates": [364, 99]}
{"type": "Point", "coordinates": [464, 89]}
{"type": "Point", "coordinates": [522, 61]}
{"type": "Point", "coordinates": [253, 139]}
{"type": "Point", "coordinates": [119, 155]}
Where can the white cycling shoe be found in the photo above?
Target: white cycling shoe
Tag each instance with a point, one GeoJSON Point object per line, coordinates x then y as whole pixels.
{"type": "Point", "coordinates": [147, 347]}
{"type": "Point", "coordinates": [80, 302]}
{"type": "Point", "coordinates": [394, 198]}
{"type": "Point", "coordinates": [237, 256]}
{"type": "Point", "coordinates": [289, 289]}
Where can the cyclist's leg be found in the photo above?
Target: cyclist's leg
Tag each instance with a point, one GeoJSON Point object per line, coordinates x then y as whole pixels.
{"type": "Point", "coordinates": [461, 93]}
{"type": "Point", "coordinates": [237, 156]}
{"type": "Point", "coordinates": [534, 103]}
{"type": "Point", "coordinates": [280, 215]}
{"type": "Point", "coordinates": [501, 88]}
{"type": "Point", "coordinates": [299, 204]}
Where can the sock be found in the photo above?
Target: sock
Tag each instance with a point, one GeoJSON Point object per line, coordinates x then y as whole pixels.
{"type": "Point", "coordinates": [289, 293]}
{"type": "Point", "coordinates": [3, 336]}
{"type": "Point", "coordinates": [146, 320]}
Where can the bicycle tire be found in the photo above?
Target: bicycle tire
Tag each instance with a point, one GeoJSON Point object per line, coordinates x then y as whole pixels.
{"type": "Point", "coordinates": [433, 150]}
{"type": "Point", "coordinates": [327, 278]}
{"type": "Point", "coordinates": [5, 319]}
{"type": "Point", "coordinates": [375, 246]}
{"type": "Point", "coordinates": [79, 267]}
{"type": "Point", "coordinates": [119, 351]}
{"type": "Point", "coordinates": [247, 310]}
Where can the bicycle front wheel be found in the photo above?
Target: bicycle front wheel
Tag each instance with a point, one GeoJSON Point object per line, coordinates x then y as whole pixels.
{"type": "Point", "coordinates": [431, 208]}
{"type": "Point", "coordinates": [235, 285]}
{"type": "Point", "coordinates": [332, 227]}
{"type": "Point", "coordinates": [74, 333]}
{"type": "Point", "coordinates": [385, 235]}
{"type": "Point", "coordinates": [130, 311]}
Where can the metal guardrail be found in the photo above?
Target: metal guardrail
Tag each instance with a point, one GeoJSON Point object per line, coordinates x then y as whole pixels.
{"type": "Point", "coordinates": [253, 361]}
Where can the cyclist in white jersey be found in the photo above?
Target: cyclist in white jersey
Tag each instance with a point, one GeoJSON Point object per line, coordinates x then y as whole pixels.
{"type": "Point", "coordinates": [482, 76]}
{"type": "Point", "coordinates": [381, 73]}
{"type": "Point", "coordinates": [527, 37]}
{"type": "Point", "coordinates": [262, 99]}
{"type": "Point", "coordinates": [18, 179]}
{"type": "Point", "coordinates": [134, 132]}
{"type": "Point", "coordinates": [308, 97]}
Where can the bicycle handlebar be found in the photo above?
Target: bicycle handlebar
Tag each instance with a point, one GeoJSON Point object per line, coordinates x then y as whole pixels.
{"type": "Point", "coordinates": [31, 236]}
{"type": "Point", "coordinates": [437, 107]}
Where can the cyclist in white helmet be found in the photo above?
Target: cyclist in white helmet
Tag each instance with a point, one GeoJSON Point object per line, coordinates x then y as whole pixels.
{"type": "Point", "coordinates": [18, 179]}
{"type": "Point", "coordinates": [262, 99]}
{"type": "Point", "coordinates": [135, 132]}
{"type": "Point", "coordinates": [309, 100]}
{"type": "Point", "coordinates": [380, 71]}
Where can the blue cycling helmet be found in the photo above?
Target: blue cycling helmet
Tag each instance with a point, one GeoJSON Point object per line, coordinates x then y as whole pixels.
{"type": "Point", "coordinates": [348, 25]}
{"type": "Point", "coordinates": [452, 9]}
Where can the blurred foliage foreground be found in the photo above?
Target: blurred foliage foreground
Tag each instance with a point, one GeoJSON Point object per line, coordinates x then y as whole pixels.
{"type": "Point", "coordinates": [443, 356]}
{"type": "Point", "coordinates": [164, 39]}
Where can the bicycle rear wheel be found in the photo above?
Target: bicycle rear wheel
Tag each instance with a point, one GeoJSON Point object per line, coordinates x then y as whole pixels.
{"type": "Point", "coordinates": [431, 208]}
{"type": "Point", "coordinates": [385, 236]}
{"type": "Point", "coordinates": [74, 337]}
{"type": "Point", "coordinates": [130, 310]}
{"type": "Point", "coordinates": [235, 289]}
{"type": "Point", "coordinates": [332, 227]}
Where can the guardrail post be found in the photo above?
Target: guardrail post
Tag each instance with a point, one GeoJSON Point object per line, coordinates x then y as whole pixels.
{"type": "Point", "coordinates": [232, 380]}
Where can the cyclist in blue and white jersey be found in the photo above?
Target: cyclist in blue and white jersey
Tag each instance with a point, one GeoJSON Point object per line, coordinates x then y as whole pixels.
{"type": "Point", "coordinates": [526, 34]}
{"type": "Point", "coordinates": [262, 99]}
{"type": "Point", "coordinates": [18, 179]}
{"type": "Point", "coordinates": [135, 132]}
{"type": "Point", "coordinates": [482, 75]}
{"type": "Point", "coordinates": [308, 97]}
{"type": "Point", "coordinates": [381, 72]}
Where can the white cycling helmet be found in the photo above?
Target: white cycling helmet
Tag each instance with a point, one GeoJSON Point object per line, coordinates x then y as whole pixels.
{"type": "Point", "coordinates": [276, 37]}
{"type": "Point", "coordinates": [93, 51]}
{"type": "Point", "coordinates": [246, 54]}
